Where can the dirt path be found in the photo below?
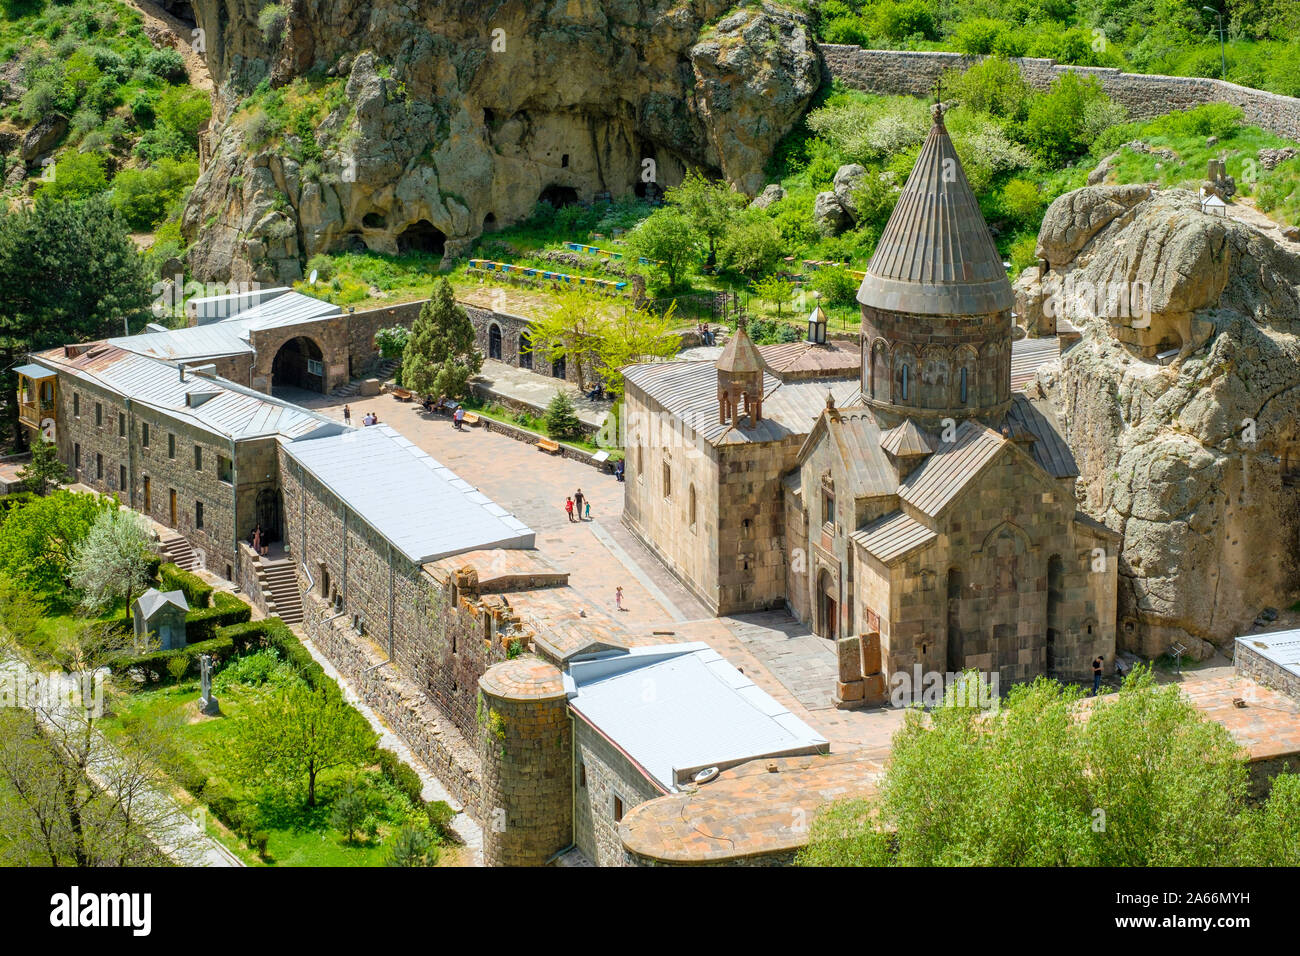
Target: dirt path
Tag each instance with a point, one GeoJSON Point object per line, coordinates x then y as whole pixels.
{"type": "Point", "coordinates": [167, 30]}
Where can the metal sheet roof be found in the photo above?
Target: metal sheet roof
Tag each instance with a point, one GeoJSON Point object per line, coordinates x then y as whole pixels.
{"type": "Point", "coordinates": [151, 600]}
{"type": "Point", "coordinates": [703, 711]}
{"type": "Point", "coordinates": [1280, 647]}
{"type": "Point", "coordinates": [856, 436]}
{"type": "Point", "coordinates": [1048, 448]}
{"type": "Point", "coordinates": [893, 537]}
{"type": "Point", "coordinates": [934, 485]}
{"type": "Point", "coordinates": [230, 336]}
{"type": "Point", "coordinates": [907, 439]}
{"type": "Point", "coordinates": [936, 256]}
{"type": "Point", "coordinates": [233, 411]}
{"type": "Point", "coordinates": [419, 505]}
{"type": "Point", "coordinates": [32, 370]}
{"type": "Point", "coordinates": [1026, 357]}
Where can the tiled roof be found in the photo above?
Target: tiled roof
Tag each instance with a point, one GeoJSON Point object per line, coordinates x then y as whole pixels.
{"type": "Point", "coordinates": [937, 482]}
{"type": "Point", "coordinates": [936, 256]}
{"type": "Point", "coordinates": [689, 390]}
{"type": "Point", "coordinates": [907, 439]}
{"type": "Point", "coordinates": [893, 537]}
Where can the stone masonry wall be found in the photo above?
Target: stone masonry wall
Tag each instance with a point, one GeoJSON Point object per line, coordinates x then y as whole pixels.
{"type": "Point", "coordinates": [912, 73]}
{"type": "Point", "coordinates": [1250, 663]}
{"type": "Point", "coordinates": [604, 774]}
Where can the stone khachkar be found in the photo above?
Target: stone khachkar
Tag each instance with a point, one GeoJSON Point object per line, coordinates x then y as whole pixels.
{"type": "Point", "coordinates": [207, 703]}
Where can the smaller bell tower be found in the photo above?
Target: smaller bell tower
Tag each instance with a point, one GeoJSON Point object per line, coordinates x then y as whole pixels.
{"type": "Point", "coordinates": [740, 380]}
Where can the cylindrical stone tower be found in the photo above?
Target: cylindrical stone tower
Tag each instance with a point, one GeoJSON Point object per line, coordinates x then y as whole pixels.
{"type": "Point", "coordinates": [526, 801]}
{"type": "Point", "coordinates": [936, 301]}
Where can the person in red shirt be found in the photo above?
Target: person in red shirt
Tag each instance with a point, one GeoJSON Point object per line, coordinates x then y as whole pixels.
{"type": "Point", "coordinates": [568, 507]}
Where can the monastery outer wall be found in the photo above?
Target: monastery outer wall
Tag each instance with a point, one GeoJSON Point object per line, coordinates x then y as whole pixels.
{"type": "Point", "coordinates": [912, 73]}
{"type": "Point", "coordinates": [362, 326]}
{"type": "Point", "coordinates": [603, 774]}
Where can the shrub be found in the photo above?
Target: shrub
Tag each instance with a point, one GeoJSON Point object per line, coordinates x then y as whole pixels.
{"type": "Point", "coordinates": [400, 774]}
{"type": "Point", "coordinates": [412, 846]}
{"type": "Point", "coordinates": [178, 666]}
{"type": "Point", "coordinates": [166, 64]}
{"type": "Point", "coordinates": [836, 284]}
{"type": "Point", "coordinates": [197, 591]}
{"type": "Point", "coordinates": [350, 811]}
{"type": "Point", "coordinates": [272, 20]}
{"type": "Point", "coordinates": [440, 814]}
{"type": "Point", "coordinates": [993, 86]}
{"type": "Point", "coordinates": [1022, 200]}
{"type": "Point", "coordinates": [226, 609]}
{"type": "Point", "coordinates": [323, 266]}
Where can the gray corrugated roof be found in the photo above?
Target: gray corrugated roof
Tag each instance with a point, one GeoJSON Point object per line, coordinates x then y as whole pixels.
{"type": "Point", "coordinates": [32, 370]}
{"type": "Point", "coordinates": [936, 256]}
{"type": "Point", "coordinates": [1048, 448]}
{"type": "Point", "coordinates": [893, 537]}
{"type": "Point", "coordinates": [1027, 355]}
{"type": "Point", "coordinates": [233, 412]}
{"type": "Point", "coordinates": [703, 712]}
{"type": "Point", "coordinates": [419, 505]}
{"type": "Point", "coordinates": [689, 390]}
{"type": "Point", "coordinates": [936, 483]}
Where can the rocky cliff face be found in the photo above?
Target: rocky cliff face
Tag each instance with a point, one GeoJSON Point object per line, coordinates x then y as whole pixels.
{"type": "Point", "coordinates": [1194, 456]}
{"type": "Point", "coordinates": [445, 118]}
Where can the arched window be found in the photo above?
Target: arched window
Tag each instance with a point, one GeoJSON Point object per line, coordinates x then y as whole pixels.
{"type": "Point", "coordinates": [963, 386]}
{"type": "Point", "coordinates": [690, 507]}
{"type": "Point", "coordinates": [906, 371]}
{"type": "Point", "coordinates": [494, 342]}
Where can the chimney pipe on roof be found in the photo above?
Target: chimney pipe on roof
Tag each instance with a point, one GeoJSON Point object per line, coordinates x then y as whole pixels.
{"type": "Point", "coordinates": [181, 367]}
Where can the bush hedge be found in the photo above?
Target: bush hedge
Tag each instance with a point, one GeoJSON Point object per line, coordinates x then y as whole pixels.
{"type": "Point", "coordinates": [197, 591]}
{"type": "Point", "coordinates": [400, 774]}
{"type": "Point", "coordinates": [202, 624]}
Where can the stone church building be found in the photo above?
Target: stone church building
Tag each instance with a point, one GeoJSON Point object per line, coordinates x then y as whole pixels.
{"type": "Point", "coordinates": [920, 514]}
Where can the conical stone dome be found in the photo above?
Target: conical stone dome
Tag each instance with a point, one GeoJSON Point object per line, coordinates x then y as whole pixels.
{"type": "Point", "coordinates": [936, 256]}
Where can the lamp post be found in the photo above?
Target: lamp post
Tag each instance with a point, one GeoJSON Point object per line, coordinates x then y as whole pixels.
{"type": "Point", "coordinates": [1223, 63]}
{"type": "Point", "coordinates": [817, 322]}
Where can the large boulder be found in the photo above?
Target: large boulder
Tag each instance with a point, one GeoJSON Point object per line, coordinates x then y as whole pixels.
{"type": "Point", "coordinates": [829, 215]}
{"type": "Point", "coordinates": [848, 180]}
{"type": "Point", "coordinates": [43, 137]}
{"type": "Point", "coordinates": [771, 193]}
{"type": "Point", "coordinates": [433, 138]}
{"type": "Point", "coordinates": [1196, 461]}
{"type": "Point", "coordinates": [1073, 219]}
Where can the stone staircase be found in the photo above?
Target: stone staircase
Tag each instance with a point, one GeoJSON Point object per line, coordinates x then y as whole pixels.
{"type": "Point", "coordinates": [176, 550]}
{"type": "Point", "coordinates": [280, 589]}
{"type": "Point", "coordinates": [383, 371]}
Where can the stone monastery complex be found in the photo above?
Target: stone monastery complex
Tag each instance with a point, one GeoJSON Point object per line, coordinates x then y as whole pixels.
{"type": "Point", "coordinates": [900, 501]}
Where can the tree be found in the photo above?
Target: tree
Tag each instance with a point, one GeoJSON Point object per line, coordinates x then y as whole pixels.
{"type": "Point", "coordinates": [298, 733]}
{"type": "Point", "coordinates": [710, 208]}
{"type": "Point", "coordinates": [635, 335]}
{"type": "Point", "coordinates": [46, 471]}
{"type": "Point", "coordinates": [349, 811]}
{"type": "Point", "coordinates": [1144, 781]}
{"type": "Point", "coordinates": [412, 846]}
{"type": "Point", "coordinates": [774, 290]}
{"type": "Point", "coordinates": [667, 239]}
{"type": "Point", "coordinates": [752, 248]}
{"type": "Point", "coordinates": [76, 176]}
{"type": "Point", "coordinates": [440, 356]}
{"type": "Point", "coordinates": [113, 560]}
{"type": "Point", "coordinates": [561, 418]}
{"type": "Point", "coordinates": [836, 284]}
{"type": "Point", "coordinates": [572, 329]}
{"type": "Point", "coordinates": [39, 538]}
{"type": "Point", "coordinates": [68, 272]}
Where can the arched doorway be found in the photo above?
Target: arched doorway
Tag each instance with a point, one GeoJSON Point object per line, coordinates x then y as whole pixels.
{"type": "Point", "coordinates": [956, 652]}
{"type": "Point", "coordinates": [494, 342]}
{"type": "Point", "coordinates": [269, 510]}
{"type": "Point", "coordinates": [299, 363]}
{"type": "Point", "coordinates": [525, 350]}
{"type": "Point", "coordinates": [558, 368]}
{"type": "Point", "coordinates": [830, 608]}
{"type": "Point", "coordinates": [423, 237]}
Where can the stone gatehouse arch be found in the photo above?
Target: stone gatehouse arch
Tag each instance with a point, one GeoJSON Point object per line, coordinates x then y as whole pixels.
{"type": "Point", "coordinates": [299, 362]}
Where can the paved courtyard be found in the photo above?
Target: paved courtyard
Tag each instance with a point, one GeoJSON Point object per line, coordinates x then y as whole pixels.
{"type": "Point", "coordinates": [782, 657]}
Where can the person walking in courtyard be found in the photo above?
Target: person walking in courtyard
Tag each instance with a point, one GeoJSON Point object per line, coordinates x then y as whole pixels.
{"type": "Point", "coordinates": [588, 507]}
{"type": "Point", "coordinates": [568, 507]}
{"type": "Point", "coordinates": [618, 598]}
{"type": "Point", "coordinates": [577, 503]}
{"type": "Point", "coordinates": [457, 417]}
{"type": "Point", "coordinates": [1096, 675]}
{"type": "Point", "coordinates": [347, 415]}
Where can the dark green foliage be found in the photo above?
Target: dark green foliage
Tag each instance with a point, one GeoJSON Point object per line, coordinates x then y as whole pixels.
{"type": "Point", "coordinates": [201, 624]}
{"type": "Point", "coordinates": [412, 846]}
{"type": "Point", "coordinates": [400, 774]}
{"type": "Point", "coordinates": [440, 356]}
{"type": "Point", "coordinates": [561, 418]}
{"type": "Point", "coordinates": [198, 593]}
{"type": "Point", "coordinates": [440, 814]}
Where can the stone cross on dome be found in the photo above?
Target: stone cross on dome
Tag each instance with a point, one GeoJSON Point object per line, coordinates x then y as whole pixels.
{"type": "Point", "coordinates": [937, 109]}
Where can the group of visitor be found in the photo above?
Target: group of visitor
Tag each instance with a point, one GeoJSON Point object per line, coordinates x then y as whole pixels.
{"type": "Point", "coordinates": [370, 418]}
{"type": "Point", "coordinates": [706, 334]}
{"type": "Point", "coordinates": [574, 507]}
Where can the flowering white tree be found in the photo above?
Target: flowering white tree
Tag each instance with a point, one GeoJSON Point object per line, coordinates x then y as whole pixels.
{"type": "Point", "coordinates": [113, 560]}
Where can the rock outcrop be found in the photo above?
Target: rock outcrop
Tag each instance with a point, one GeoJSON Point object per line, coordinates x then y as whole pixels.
{"type": "Point", "coordinates": [1193, 455]}
{"type": "Point", "coordinates": [450, 117]}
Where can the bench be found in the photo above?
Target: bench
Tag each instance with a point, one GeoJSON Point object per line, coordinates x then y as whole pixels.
{"type": "Point", "coordinates": [470, 419]}
{"type": "Point", "coordinates": [402, 394]}
{"type": "Point", "coordinates": [545, 444]}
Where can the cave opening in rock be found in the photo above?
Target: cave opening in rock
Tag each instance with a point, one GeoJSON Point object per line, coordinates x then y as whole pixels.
{"type": "Point", "coordinates": [374, 220]}
{"type": "Point", "coordinates": [350, 242]}
{"type": "Point", "coordinates": [490, 222]}
{"type": "Point", "coordinates": [559, 196]}
{"type": "Point", "coordinates": [422, 236]}
{"type": "Point", "coordinates": [182, 10]}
